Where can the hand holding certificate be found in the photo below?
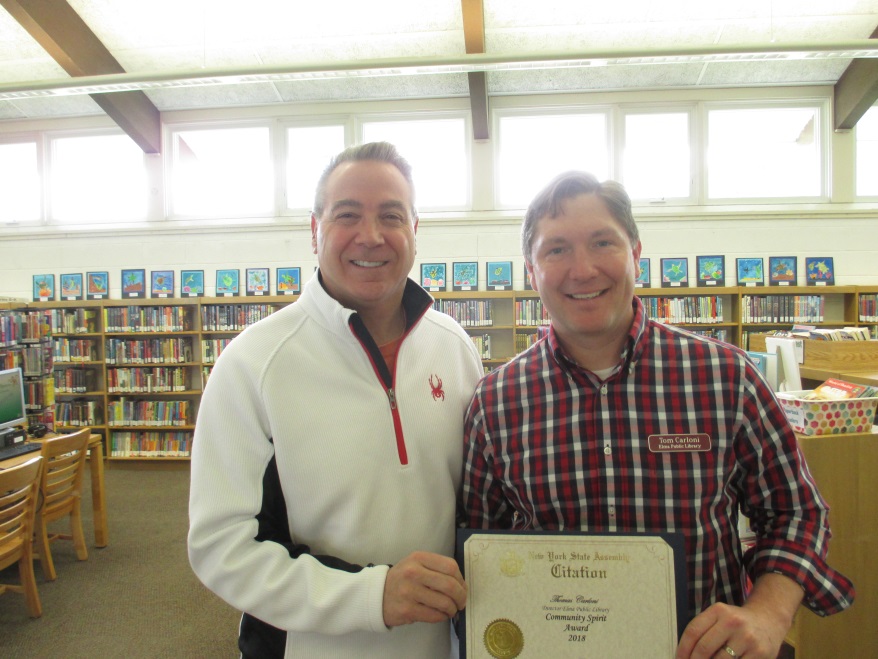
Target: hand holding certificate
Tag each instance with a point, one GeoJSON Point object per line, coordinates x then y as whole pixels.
{"type": "Point", "coordinates": [571, 594]}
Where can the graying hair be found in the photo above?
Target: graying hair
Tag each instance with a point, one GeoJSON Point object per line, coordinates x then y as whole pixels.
{"type": "Point", "coordinates": [570, 184]}
{"type": "Point", "coordinates": [380, 151]}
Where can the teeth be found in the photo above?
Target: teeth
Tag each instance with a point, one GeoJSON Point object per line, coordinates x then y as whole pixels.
{"type": "Point", "coordinates": [368, 264]}
{"type": "Point", "coordinates": [585, 296]}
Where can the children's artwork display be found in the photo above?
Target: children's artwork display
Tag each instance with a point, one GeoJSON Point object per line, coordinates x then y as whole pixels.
{"type": "Point", "coordinates": [71, 287]}
{"type": "Point", "coordinates": [433, 276]}
{"type": "Point", "coordinates": [97, 285]}
{"type": "Point", "coordinates": [227, 282]}
{"type": "Point", "coordinates": [44, 288]}
{"type": "Point", "coordinates": [750, 272]}
{"type": "Point", "coordinates": [161, 283]}
{"type": "Point", "coordinates": [675, 273]}
{"type": "Point", "coordinates": [499, 275]}
{"type": "Point", "coordinates": [257, 280]}
{"type": "Point", "coordinates": [781, 270]}
{"type": "Point", "coordinates": [289, 281]}
{"type": "Point", "coordinates": [465, 276]}
{"type": "Point", "coordinates": [643, 274]}
{"type": "Point", "coordinates": [133, 283]}
{"type": "Point", "coordinates": [819, 271]}
{"type": "Point", "coordinates": [192, 283]}
{"type": "Point", "coordinates": [711, 270]}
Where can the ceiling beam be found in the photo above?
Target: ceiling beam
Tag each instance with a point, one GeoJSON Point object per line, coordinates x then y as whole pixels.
{"type": "Point", "coordinates": [474, 40]}
{"type": "Point", "coordinates": [69, 41]}
{"type": "Point", "coordinates": [855, 92]}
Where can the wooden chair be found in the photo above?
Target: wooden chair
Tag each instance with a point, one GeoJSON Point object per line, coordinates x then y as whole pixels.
{"type": "Point", "coordinates": [18, 496]}
{"type": "Point", "coordinates": [61, 487]}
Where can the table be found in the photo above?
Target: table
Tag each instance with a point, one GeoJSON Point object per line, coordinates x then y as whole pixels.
{"type": "Point", "coordinates": [98, 493]}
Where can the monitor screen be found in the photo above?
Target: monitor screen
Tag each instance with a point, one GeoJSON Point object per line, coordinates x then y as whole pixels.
{"type": "Point", "coordinates": [12, 407]}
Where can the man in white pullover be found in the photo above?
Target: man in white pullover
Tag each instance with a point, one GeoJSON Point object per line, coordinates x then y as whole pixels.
{"type": "Point", "coordinates": [328, 447]}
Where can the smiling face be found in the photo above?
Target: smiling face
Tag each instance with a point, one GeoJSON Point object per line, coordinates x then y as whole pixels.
{"type": "Point", "coordinates": [365, 236]}
{"type": "Point", "coordinates": [584, 267]}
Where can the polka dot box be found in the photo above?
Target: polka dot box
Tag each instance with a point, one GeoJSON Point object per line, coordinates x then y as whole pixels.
{"type": "Point", "coordinates": [827, 417]}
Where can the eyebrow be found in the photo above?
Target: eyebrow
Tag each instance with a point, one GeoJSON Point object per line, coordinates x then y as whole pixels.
{"type": "Point", "coordinates": [352, 203]}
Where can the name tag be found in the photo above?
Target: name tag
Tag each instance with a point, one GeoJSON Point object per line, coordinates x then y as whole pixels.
{"type": "Point", "coordinates": [679, 443]}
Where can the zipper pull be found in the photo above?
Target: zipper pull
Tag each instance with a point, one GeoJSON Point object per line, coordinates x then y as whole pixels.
{"type": "Point", "coordinates": [391, 396]}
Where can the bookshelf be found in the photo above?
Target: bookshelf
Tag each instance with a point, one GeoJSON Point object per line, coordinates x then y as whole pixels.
{"type": "Point", "coordinates": [133, 370]}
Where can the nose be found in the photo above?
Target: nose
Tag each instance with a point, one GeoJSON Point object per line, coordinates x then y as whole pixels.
{"type": "Point", "coordinates": [369, 231]}
{"type": "Point", "coordinates": [583, 266]}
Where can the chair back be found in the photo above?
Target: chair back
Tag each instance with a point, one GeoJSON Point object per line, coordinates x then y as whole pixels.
{"type": "Point", "coordinates": [18, 497]}
{"type": "Point", "coordinates": [62, 475]}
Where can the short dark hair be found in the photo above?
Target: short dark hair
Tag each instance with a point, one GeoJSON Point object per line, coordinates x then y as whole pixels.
{"type": "Point", "coordinates": [571, 184]}
{"type": "Point", "coordinates": [380, 151]}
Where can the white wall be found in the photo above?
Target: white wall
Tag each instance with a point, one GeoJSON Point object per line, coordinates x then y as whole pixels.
{"type": "Point", "coordinates": [851, 241]}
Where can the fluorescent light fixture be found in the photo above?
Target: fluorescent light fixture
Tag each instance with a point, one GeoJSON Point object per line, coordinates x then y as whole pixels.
{"type": "Point", "coordinates": [122, 82]}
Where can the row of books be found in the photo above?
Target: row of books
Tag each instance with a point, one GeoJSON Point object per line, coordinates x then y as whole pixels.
{"type": "Point", "coordinates": [211, 349]}
{"type": "Point", "coordinates": [483, 345]}
{"type": "Point", "coordinates": [73, 321]}
{"type": "Point", "coordinates": [36, 359]}
{"type": "Point", "coordinates": [718, 333]}
{"type": "Point", "coordinates": [74, 350]}
{"type": "Point", "coordinates": [782, 308]}
{"type": "Point", "coordinates": [869, 307]}
{"type": "Point", "coordinates": [150, 444]}
{"type": "Point", "coordinates": [148, 319]}
{"type": "Point", "coordinates": [74, 380]}
{"type": "Point", "coordinates": [525, 341]}
{"type": "Point", "coordinates": [531, 312]}
{"type": "Point", "coordinates": [169, 350]}
{"type": "Point", "coordinates": [686, 309]}
{"type": "Point", "coordinates": [469, 313]}
{"type": "Point", "coordinates": [149, 412]}
{"type": "Point", "coordinates": [79, 413]}
{"type": "Point", "coordinates": [160, 379]}
{"type": "Point", "coordinates": [832, 334]}
{"type": "Point", "coordinates": [232, 317]}
{"type": "Point", "coordinates": [39, 393]}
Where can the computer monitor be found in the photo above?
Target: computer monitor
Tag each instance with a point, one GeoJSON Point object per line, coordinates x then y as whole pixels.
{"type": "Point", "coordinates": [12, 406]}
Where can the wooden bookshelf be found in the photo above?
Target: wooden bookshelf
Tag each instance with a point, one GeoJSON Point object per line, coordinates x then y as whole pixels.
{"type": "Point", "coordinates": [88, 337]}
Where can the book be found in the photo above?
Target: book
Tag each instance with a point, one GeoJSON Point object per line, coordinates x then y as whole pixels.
{"type": "Point", "coordinates": [835, 389]}
{"type": "Point", "coordinates": [766, 362]}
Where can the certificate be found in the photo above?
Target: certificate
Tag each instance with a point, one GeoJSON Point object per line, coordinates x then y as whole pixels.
{"type": "Point", "coordinates": [571, 594]}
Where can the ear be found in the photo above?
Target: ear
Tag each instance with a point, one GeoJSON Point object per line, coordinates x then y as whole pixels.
{"type": "Point", "coordinates": [530, 275]}
{"type": "Point", "coordinates": [313, 233]}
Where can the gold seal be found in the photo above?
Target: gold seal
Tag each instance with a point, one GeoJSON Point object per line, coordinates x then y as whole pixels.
{"type": "Point", "coordinates": [503, 639]}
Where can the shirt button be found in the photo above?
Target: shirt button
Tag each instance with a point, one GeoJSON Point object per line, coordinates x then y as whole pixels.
{"type": "Point", "coordinates": [603, 390]}
{"type": "Point", "coordinates": [612, 511]}
{"type": "Point", "coordinates": [607, 450]}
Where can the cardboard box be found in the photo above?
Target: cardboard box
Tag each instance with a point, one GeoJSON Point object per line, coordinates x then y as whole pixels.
{"type": "Point", "coordinates": [827, 417]}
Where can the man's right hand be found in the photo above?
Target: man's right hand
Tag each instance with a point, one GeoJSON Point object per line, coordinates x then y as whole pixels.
{"type": "Point", "coordinates": [423, 587]}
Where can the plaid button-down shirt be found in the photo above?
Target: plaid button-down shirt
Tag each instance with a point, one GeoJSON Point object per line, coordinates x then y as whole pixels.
{"type": "Point", "coordinates": [550, 446]}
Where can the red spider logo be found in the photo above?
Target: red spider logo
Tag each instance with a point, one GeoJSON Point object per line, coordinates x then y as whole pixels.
{"type": "Point", "coordinates": [438, 394]}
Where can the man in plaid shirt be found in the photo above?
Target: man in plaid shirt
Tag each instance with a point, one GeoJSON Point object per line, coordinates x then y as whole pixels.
{"type": "Point", "coordinates": [574, 434]}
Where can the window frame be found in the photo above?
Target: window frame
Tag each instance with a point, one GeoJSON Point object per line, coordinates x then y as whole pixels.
{"type": "Point", "coordinates": [856, 158]}
{"type": "Point", "coordinates": [345, 121]}
{"type": "Point", "coordinates": [39, 142]}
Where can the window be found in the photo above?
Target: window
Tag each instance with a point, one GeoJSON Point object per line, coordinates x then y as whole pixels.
{"type": "Point", "coordinates": [656, 156]}
{"type": "Point", "coordinates": [764, 152]}
{"type": "Point", "coordinates": [19, 183]}
{"type": "Point", "coordinates": [309, 150]}
{"type": "Point", "coordinates": [867, 154]}
{"type": "Point", "coordinates": [437, 151]}
{"type": "Point", "coordinates": [222, 172]}
{"type": "Point", "coordinates": [534, 149]}
{"type": "Point", "coordinates": [97, 178]}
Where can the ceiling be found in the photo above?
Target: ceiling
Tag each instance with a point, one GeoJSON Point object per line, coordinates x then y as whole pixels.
{"type": "Point", "coordinates": [57, 58]}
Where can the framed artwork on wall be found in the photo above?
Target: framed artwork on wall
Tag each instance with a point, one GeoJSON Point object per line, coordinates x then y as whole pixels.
{"type": "Point", "coordinates": [433, 276]}
{"type": "Point", "coordinates": [44, 288]}
{"type": "Point", "coordinates": [819, 271]}
{"type": "Point", "coordinates": [97, 285]}
{"type": "Point", "coordinates": [133, 283]}
{"type": "Point", "coordinates": [465, 276]}
{"type": "Point", "coordinates": [289, 281]}
{"type": "Point", "coordinates": [781, 270]}
{"type": "Point", "coordinates": [498, 275]}
{"type": "Point", "coordinates": [192, 283]}
{"type": "Point", "coordinates": [161, 283]}
{"type": "Point", "coordinates": [711, 270]}
{"type": "Point", "coordinates": [258, 282]}
{"type": "Point", "coordinates": [71, 287]}
{"type": "Point", "coordinates": [750, 272]}
{"type": "Point", "coordinates": [227, 282]}
{"type": "Point", "coordinates": [675, 273]}
{"type": "Point", "coordinates": [643, 274]}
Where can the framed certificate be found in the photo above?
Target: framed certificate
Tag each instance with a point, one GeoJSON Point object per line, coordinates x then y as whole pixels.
{"type": "Point", "coordinates": [571, 594]}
